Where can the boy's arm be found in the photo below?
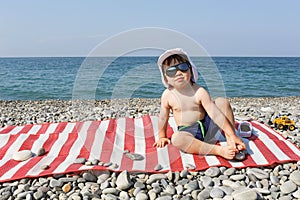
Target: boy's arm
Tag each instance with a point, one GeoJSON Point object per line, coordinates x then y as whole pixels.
{"type": "Point", "coordinates": [163, 122]}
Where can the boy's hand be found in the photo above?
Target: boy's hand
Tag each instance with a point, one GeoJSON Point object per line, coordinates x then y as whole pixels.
{"type": "Point", "coordinates": [162, 142]}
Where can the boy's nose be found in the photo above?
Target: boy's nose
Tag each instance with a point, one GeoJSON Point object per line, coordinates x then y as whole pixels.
{"type": "Point", "coordinates": [178, 73]}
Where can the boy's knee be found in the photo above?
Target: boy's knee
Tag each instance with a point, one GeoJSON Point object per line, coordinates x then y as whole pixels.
{"type": "Point", "coordinates": [175, 139]}
{"type": "Point", "coordinates": [222, 102]}
{"type": "Point", "coordinates": [182, 140]}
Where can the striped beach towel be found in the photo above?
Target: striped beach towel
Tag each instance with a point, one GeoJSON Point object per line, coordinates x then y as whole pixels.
{"type": "Point", "coordinates": [108, 139]}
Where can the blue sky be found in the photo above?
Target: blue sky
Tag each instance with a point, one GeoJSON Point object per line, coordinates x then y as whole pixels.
{"type": "Point", "coordinates": [223, 28]}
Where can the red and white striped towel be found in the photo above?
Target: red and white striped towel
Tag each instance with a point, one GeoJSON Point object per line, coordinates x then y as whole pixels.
{"type": "Point", "coordinates": [106, 140]}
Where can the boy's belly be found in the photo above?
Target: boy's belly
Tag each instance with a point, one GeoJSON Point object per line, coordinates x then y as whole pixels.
{"type": "Point", "coordinates": [188, 117]}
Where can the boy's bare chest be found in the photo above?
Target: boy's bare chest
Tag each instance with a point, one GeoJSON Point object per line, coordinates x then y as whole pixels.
{"type": "Point", "coordinates": [184, 104]}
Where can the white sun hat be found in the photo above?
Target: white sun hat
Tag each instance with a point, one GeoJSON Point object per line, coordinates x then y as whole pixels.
{"type": "Point", "coordinates": [169, 53]}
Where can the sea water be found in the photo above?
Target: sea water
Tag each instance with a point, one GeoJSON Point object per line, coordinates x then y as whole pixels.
{"type": "Point", "coordinates": [38, 78]}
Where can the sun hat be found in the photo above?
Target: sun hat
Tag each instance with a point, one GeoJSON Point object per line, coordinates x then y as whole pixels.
{"type": "Point", "coordinates": [169, 53]}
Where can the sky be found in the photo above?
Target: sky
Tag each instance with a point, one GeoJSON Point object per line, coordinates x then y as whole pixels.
{"type": "Point", "coordinates": [223, 28]}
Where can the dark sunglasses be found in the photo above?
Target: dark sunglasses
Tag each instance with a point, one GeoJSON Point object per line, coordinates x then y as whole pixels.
{"type": "Point", "coordinates": [171, 71]}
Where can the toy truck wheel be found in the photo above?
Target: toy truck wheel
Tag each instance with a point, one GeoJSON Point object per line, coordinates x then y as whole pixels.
{"type": "Point", "coordinates": [280, 126]}
{"type": "Point", "coordinates": [291, 127]}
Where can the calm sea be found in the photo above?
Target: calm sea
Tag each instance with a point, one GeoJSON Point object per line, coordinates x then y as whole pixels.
{"type": "Point", "coordinates": [126, 77]}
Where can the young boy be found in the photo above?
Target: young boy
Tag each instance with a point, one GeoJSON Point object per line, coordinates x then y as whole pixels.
{"type": "Point", "coordinates": [198, 117]}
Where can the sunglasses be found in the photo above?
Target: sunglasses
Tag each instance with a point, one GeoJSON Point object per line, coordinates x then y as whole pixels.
{"type": "Point", "coordinates": [171, 71]}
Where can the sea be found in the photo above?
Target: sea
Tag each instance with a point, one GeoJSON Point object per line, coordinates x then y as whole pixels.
{"type": "Point", "coordinates": [67, 78]}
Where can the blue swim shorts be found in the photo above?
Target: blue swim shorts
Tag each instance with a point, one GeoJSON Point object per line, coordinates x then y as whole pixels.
{"type": "Point", "coordinates": [202, 130]}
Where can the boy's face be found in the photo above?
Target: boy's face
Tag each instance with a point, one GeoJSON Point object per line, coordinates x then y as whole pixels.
{"type": "Point", "coordinates": [179, 78]}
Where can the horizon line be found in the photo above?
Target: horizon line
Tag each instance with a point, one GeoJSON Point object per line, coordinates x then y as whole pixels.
{"type": "Point", "coordinates": [83, 56]}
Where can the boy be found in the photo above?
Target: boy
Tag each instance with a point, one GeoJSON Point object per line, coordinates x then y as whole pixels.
{"type": "Point", "coordinates": [196, 115]}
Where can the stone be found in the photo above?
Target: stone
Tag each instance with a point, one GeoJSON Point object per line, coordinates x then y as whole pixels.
{"type": "Point", "coordinates": [179, 189]}
{"type": "Point", "coordinates": [184, 173]}
{"type": "Point", "coordinates": [295, 177]}
{"type": "Point", "coordinates": [237, 177]}
{"type": "Point", "coordinates": [231, 184]}
{"type": "Point", "coordinates": [204, 194]}
{"type": "Point", "coordinates": [190, 166]}
{"type": "Point", "coordinates": [66, 188]}
{"type": "Point", "coordinates": [141, 196]}
{"type": "Point", "coordinates": [193, 185]}
{"type": "Point", "coordinates": [55, 183]}
{"type": "Point", "coordinates": [107, 164]}
{"type": "Point", "coordinates": [288, 187]}
{"type": "Point", "coordinates": [206, 181]}
{"type": "Point", "coordinates": [113, 191]}
{"type": "Point", "coordinates": [95, 161]}
{"type": "Point", "coordinates": [38, 195]}
{"type": "Point", "coordinates": [212, 172]}
{"type": "Point", "coordinates": [89, 177]}
{"type": "Point", "coordinates": [158, 167]}
{"type": "Point", "coordinates": [22, 155]}
{"type": "Point", "coordinates": [244, 193]}
{"type": "Point", "coordinates": [155, 177]}
{"type": "Point", "coordinates": [258, 173]}
{"type": "Point", "coordinates": [229, 171]}
{"type": "Point", "coordinates": [44, 167]}
{"type": "Point", "coordinates": [170, 189]}
{"type": "Point", "coordinates": [41, 152]}
{"type": "Point", "coordinates": [123, 195]}
{"type": "Point", "coordinates": [296, 194]}
{"type": "Point", "coordinates": [79, 160]}
{"type": "Point", "coordinates": [134, 156]}
{"type": "Point", "coordinates": [240, 156]}
{"type": "Point", "coordinates": [274, 179]}
{"type": "Point", "coordinates": [123, 181]}
{"type": "Point", "coordinates": [216, 193]}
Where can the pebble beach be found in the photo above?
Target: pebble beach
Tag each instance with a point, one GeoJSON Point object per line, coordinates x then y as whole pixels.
{"type": "Point", "coordinates": [280, 181]}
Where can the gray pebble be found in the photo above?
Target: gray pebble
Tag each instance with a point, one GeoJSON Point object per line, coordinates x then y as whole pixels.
{"type": "Point", "coordinates": [295, 177]}
{"type": "Point", "coordinates": [123, 181]}
{"type": "Point", "coordinates": [229, 171]}
{"type": "Point", "coordinates": [107, 164]}
{"type": "Point", "coordinates": [41, 152]}
{"type": "Point", "coordinates": [79, 160]}
{"type": "Point", "coordinates": [258, 173]}
{"type": "Point", "coordinates": [274, 179]}
{"type": "Point", "coordinates": [296, 194]}
{"type": "Point", "coordinates": [38, 195]}
{"type": "Point", "coordinates": [216, 193]}
{"type": "Point", "coordinates": [22, 155]}
{"type": "Point", "coordinates": [155, 177]}
{"type": "Point", "coordinates": [158, 167]}
{"type": "Point", "coordinates": [212, 172]}
{"type": "Point", "coordinates": [170, 189]}
{"type": "Point", "coordinates": [89, 177]}
{"type": "Point", "coordinates": [206, 181]}
{"type": "Point", "coordinates": [204, 194]}
{"type": "Point", "coordinates": [193, 185]}
{"type": "Point", "coordinates": [238, 177]}
{"type": "Point", "coordinates": [288, 187]}
{"type": "Point", "coordinates": [245, 193]}
{"type": "Point", "coordinates": [55, 183]}
{"type": "Point", "coordinates": [141, 196]}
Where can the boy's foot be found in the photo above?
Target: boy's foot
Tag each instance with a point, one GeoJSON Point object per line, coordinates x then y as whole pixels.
{"type": "Point", "coordinates": [225, 152]}
{"type": "Point", "coordinates": [236, 143]}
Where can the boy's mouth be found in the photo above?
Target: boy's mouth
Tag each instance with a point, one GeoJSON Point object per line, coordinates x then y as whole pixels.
{"type": "Point", "coordinates": [178, 78]}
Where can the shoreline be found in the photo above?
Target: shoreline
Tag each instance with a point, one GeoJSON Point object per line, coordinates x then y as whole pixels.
{"type": "Point", "coordinates": [172, 185]}
{"type": "Point", "coordinates": [20, 112]}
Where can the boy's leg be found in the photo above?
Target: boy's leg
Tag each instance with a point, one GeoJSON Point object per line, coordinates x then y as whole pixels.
{"type": "Point", "coordinates": [188, 143]}
{"type": "Point", "coordinates": [224, 106]}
